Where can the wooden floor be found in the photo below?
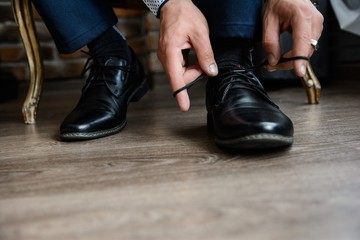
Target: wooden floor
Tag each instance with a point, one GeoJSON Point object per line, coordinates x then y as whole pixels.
{"type": "Point", "coordinates": [163, 177]}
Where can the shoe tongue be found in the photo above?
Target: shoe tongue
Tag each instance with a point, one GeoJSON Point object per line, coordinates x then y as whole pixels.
{"type": "Point", "coordinates": [227, 72]}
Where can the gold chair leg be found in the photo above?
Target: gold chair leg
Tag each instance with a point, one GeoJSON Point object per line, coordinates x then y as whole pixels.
{"type": "Point", "coordinates": [311, 85]}
{"type": "Point", "coordinates": [23, 16]}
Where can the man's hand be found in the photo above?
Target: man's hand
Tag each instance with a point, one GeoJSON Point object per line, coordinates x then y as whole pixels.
{"type": "Point", "coordinates": [300, 18]}
{"type": "Point", "coordinates": [183, 26]}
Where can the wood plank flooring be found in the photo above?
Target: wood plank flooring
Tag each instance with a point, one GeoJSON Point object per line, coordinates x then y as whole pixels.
{"type": "Point", "coordinates": [163, 177]}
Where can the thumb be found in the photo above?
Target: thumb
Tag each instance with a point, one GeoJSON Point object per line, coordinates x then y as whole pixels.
{"type": "Point", "coordinates": [205, 56]}
{"type": "Point", "coordinates": [271, 39]}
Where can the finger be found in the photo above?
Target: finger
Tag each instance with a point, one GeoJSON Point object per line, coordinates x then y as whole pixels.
{"type": "Point", "coordinates": [271, 39]}
{"type": "Point", "coordinates": [175, 74]}
{"type": "Point", "coordinates": [316, 27]}
{"type": "Point", "coordinates": [287, 65]}
{"type": "Point", "coordinates": [180, 76]}
{"type": "Point", "coordinates": [281, 66]}
{"type": "Point", "coordinates": [189, 76]}
{"type": "Point", "coordinates": [317, 23]}
{"type": "Point", "coordinates": [204, 53]}
{"type": "Point", "coordinates": [301, 35]}
{"type": "Point", "coordinates": [172, 62]}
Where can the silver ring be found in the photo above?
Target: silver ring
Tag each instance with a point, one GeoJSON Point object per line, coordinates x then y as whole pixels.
{"type": "Point", "coordinates": [314, 44]}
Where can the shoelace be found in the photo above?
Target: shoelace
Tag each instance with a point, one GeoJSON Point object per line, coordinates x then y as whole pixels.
{"type": "Point", "coordinates": [98, 71]}
{"type": "Point", "coordinates": [236, 77]}
{"type": "Point", "coordinates": [243, 70]}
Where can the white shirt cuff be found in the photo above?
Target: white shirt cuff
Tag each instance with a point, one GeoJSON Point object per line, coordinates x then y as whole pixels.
{"type": "Point", "coordinates": [155, 6]}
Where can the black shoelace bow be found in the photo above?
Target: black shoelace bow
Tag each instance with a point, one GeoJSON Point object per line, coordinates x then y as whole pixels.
{"type": "Point", "coordinates": [241, 70]}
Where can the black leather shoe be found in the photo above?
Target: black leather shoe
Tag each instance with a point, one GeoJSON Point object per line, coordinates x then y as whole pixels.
{"type": "Point", "coordinates": [241, 114]}
{"type": "Point", "coordinates": [101, 110]}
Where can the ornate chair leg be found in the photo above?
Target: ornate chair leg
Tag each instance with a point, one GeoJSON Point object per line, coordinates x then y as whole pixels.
{"type": "Point", "coordinates": [311, 85]}
{"type": "Point", "coordinates": [23, 16]}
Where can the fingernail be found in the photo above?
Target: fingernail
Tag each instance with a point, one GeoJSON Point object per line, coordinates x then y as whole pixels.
{"type": "Point", "coordinates": [303, 69]}
{"type": "Point", "coordinates": [213, 69]}
{"type": "Point", "coordinates": [271, 59]}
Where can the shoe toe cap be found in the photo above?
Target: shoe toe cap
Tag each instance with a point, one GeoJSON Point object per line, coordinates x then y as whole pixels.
{"type": "Point", "coordinates": [88, 122]}
{"type": "Point", "coordinates": [253, 121]}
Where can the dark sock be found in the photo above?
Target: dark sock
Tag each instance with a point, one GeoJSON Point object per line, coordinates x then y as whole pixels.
{"type": "Point", "coordinates": [232, 49]}
{"type": "Point", "coordinates": [110, 43]}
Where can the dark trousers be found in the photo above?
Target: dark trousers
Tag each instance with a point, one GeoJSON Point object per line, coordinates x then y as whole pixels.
{"type": "Point", "coordinates": [73, 24]}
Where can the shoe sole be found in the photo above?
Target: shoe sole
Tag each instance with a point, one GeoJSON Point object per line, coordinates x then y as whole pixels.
{"type": "Point", "coordinates": [136, 95]}
{"type": "Point", "coordinates": [253, 141]}
{"type": "Point", "coordinates": [75, 136]}
{"type": "Point", "coordinates": [256, 141]}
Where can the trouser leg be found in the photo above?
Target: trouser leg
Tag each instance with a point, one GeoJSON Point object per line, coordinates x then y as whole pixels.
{"type": "Point", "coordinates": [74, 23]}
{"type": "Point", "coordinates": [232, 18]}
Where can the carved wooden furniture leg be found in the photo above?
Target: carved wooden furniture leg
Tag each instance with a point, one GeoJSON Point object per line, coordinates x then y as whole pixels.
{"type": "Point", "coordinates": [23, 16]}
{"type": "Point", "coordinates": [311, 85]}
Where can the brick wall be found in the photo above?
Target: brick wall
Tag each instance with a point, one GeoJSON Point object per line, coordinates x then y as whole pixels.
{"type": "Point", "coordinates": [140, 28]}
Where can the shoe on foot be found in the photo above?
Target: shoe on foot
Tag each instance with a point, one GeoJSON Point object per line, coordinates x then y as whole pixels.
{"type": "Point", "coordinates": [101, 111]}
{"type": "Point", "coordinates": [241, 114]}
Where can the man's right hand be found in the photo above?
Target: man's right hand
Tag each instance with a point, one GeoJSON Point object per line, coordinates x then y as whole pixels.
{"type": "Point", "coordinates": [183, 26]}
